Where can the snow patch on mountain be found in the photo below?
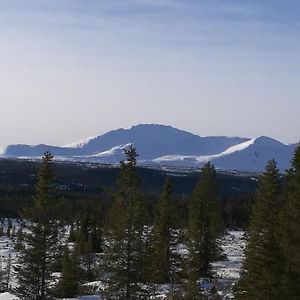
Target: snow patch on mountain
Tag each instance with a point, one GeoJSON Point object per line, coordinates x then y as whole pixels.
{"type": "Point", "coordinates": [80, 143]}
{"type": "Point", "coordinates": [2, 151]}
{"type": "Point", "coordinates": [113, 151]}
{"type": "Point", "coordinates": [204, 158]}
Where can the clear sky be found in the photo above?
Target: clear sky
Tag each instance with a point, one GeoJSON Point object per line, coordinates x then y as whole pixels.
{"type": "Point", "coordinates": [76, 68]}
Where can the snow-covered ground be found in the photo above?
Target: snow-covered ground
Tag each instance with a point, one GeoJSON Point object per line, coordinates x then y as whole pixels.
{"type": "Point", "coordinates": [7, 296]}
{"type": "Point", "coordinates": [226, 270]}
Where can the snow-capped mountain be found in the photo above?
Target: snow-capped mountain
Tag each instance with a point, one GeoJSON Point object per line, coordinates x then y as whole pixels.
{"type": "Point", "coordinates": [151, 140]}
{"type": "Point", "coordinates": [165, 145]}
{"type": "Point", "coordinates": [250, 156]}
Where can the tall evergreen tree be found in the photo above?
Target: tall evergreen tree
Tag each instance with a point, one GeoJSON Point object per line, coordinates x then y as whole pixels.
{"type": "Point", "coordinates": [36, 259]}
{"type": "Point", "coordinates": [123, 254]}
{"type": "Point", "coordinates": [161, 237]}
{"type": "Point", "coordinates": [204, 227]}
{"type": "Point", "coordinates": [290, 232]}
{"type": "Point", "coordinates": [262, 269]}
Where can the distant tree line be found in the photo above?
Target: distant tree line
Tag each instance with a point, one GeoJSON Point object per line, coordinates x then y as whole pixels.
{"type": "Point", "coordinates": [81, 187]}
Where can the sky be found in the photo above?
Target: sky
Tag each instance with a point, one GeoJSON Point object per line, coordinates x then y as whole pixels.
{"type": "Point", "coordinates": [70, 69]}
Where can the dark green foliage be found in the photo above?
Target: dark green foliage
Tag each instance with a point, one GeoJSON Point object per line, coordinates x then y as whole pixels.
{"type": "Point", "coordinates": [69, 283]}
{"type": "Point", "coordinates": [204, 227]}
{"type": "Point", "coordinates": [262, 267]}
{"type": "Point", "coordinates": [82, 185]}
{"type": "Point", "coordinates": [236, 211]}
{"type": "Point", "coordinates": [88, 239]}
{"type": "Point", "coordinates": [37, 257]}
{"type": "Point", "coordinates": [161, 237]}
{"type": "Point", "coordinates": [124, 252]}
{"type": "Point", "coordinates": [290, 233]}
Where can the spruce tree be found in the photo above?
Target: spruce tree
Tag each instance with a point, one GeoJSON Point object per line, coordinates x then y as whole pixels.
{"type": "Point", "coordinates": [289, 237]}
{"type": "Point", "coordinates": [88, 242]}
{"type": "Point", "coordinates": [262, 268]}
{"type": "Point", "coordinates": [69, 283]}
{"type": "Point", "coordinates": [204, 227]}
{"type": "Point", "coordinates": [36, 258]}
{"type": "Point", "coordinates": [124, 250]}
{"type": "Point", "coordinates": [161, 237]}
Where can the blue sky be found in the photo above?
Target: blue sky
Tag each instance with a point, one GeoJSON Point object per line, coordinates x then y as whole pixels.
{"type": "Point", "coordinates": [75, 68]}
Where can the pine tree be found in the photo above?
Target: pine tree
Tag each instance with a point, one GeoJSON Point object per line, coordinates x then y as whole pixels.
{"type": "Point", "coordinates": [123, 254]}
{"type": "Point", "coordinates": [36, 258]}
{"type": "Point", "coordinates": [262, 269]}
{"type": "Point", "coordinates": [204, 227]}
{"type": "Point", "coordinates": [161, 237]}
{"type": "Point", "coordinates": [289, 237]}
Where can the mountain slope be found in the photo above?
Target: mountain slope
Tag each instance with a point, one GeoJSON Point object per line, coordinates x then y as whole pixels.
{"type": "Point", "coordinates": [250, 156]}
{"type": "Point", "coordinates": [256, 155]}
{"type": "Point", "coordinates": [151, 140]}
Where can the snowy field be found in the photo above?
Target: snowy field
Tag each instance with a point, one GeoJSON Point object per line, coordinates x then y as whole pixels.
{"type": "Point", "coordinates": [226, 270]}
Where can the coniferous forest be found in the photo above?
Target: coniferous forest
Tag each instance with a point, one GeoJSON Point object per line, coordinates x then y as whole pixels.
{"type": "Point", "coordinates": [125, 241]}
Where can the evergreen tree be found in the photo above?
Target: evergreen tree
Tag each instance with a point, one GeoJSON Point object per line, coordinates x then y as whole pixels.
{"type": "Point", "coordinates": [262, 269]}
{"type": "Point", "coordinates": [204, 227]}
{"type": "Point", "coordinates": [290, 232]}
{"type": "Point", "coordinates": [69, 283]}
{"type": "Point", "coordinates": [88, 243]}
{"type": "Point", "coordinates": [124, 251]}
{"type": "Point", "coordinates": [9, 228]}
{"type": "Point", "coordinates": [5, 274]}
{"type": "Point", "coordinates": [161, 237]}
{"type": "Point", "coordinates": [36, 258]}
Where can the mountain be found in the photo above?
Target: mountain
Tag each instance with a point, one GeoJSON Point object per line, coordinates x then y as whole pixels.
{"type": "Point", "coordinates": [151, 140]}
{"type": "Point", "coordinates": [250, 156]}
{"type": "Point", "coordinates": [257, 154]}
{"type": "Point", "coordinates": [165, 145]}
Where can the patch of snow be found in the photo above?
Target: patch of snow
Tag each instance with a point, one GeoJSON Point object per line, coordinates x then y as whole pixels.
{"type": "Point", "coordinates": [228, 270]}
{"type": "Point", "coordinates": [79, 144]}
{"type": "Point", "coordinates": [112, 151]}
{"type": "Point", "coordinates": [8, 296]}
{"type": "Point", "coordinates": [174, 158]}
{"type": "Point", "coordinates": [205, 158]}
{"type": "Point", "coordinates": [94, 297]}
{"type": "Point", "coordinates": [2, 151]}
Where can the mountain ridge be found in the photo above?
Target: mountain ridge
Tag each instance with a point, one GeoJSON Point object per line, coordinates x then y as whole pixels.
{"type": "Point", "coordinates": [166, 145]}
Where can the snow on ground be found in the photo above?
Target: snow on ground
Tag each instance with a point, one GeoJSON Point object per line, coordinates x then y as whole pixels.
{"type": "Point", "coordinates": [7, 296]}
{"type": "Point", "coordinates": [82, 298]}
{"type": "Point", "coordinates": [228, 270]}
